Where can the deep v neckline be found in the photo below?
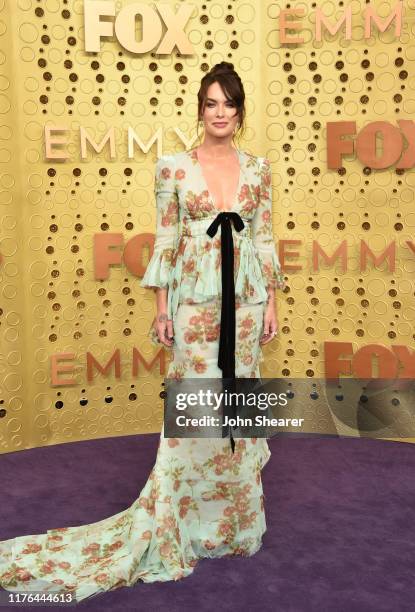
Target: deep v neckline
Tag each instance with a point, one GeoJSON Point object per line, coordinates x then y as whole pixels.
{"type": "Point", "coordinates": [234, 200]}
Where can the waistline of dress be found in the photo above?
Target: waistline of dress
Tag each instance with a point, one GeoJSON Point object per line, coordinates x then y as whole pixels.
{"type": "Point", "coordinates": [198, 227]}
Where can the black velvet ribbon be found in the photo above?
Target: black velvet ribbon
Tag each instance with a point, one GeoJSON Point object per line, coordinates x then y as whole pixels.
{"type": "Point", "coordinates": [226, 358]}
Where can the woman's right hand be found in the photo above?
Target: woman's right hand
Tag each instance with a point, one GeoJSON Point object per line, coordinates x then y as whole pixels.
{"type": "Point", "coordinates": [164, 328]}
{"type": "Point", "coordinates": [163, 325]}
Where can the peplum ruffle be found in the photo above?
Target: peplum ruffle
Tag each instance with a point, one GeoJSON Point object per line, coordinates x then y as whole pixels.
{"type": "Point", "coordinates": [270, 267]}
{"type": "Point", "coordinates": [197, 276]}
{"type": "Point", "coordinates": [158, 271]}
{"type": "Point", "coordinates": [192, 271]}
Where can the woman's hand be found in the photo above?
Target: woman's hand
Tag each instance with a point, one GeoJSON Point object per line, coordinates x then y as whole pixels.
{"type": "Point", "coordinates": [164, 327]}
{"type": "Point", "coordinates": [270, 321]}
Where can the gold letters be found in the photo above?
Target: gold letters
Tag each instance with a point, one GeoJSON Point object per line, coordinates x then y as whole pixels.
{"type": "Point", "coordinates": [366, 150]}
{"type": "Point", "coordinates": [98, 23]}
{"type": "Point", "coordinates": [322, 20]}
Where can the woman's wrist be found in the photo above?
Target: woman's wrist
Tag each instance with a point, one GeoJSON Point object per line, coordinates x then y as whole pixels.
{"type": "Point", "coordinates": [271, 295]}
{"type": "Point", "coordinates": [161, 296]}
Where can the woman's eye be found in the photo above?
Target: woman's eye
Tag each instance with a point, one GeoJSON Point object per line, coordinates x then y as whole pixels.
{"type": "Point", "coordinates": [212, 104]}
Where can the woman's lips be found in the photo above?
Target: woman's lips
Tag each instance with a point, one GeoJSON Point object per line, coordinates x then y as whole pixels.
{"type": "Point", "coordinates": [220, 124]}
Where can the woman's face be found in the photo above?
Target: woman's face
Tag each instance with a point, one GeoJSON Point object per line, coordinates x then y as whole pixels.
{"type": "Point", "coordinates": [220, 115]}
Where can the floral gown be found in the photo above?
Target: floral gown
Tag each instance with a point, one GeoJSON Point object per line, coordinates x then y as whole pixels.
{"type": "Point", "coordinates": [200, 500]}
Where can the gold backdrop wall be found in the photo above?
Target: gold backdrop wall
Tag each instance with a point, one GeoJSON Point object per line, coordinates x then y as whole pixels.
{"type": "Point", "coordinates": [50, 299]}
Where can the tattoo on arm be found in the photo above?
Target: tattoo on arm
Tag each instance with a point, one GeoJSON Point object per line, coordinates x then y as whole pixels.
{"type": "Point", "coordinates": [163, 317]}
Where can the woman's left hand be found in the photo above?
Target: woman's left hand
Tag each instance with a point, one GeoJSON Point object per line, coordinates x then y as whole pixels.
{"type": "Point", "coordinates": [270, 323]}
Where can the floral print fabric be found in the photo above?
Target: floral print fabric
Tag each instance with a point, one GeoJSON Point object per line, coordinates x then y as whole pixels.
{"type": "Point", "coordinates": [200, 499]}
{"type": "Point", "coordinates": [185, 259]}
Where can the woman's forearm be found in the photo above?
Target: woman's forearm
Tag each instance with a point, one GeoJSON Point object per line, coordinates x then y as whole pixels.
{"type": "Point", "coordinates": [161, 301]}
{"type": "Point", "coordinates": [271, 295]}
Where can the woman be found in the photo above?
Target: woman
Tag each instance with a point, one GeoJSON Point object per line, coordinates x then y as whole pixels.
{"type": "Point", "coordinates": [215, 271]}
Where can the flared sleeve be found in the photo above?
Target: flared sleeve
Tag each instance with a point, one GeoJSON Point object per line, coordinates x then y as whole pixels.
{"type": "Point", "coordinates": [167, 227]}
{"type": "Point", "coordinates": [262, 232]}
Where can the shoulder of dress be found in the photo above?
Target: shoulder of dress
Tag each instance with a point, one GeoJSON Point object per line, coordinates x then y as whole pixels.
{"type": "Point", "coordinates": [257, 160]}
{"type": "Point", "coordinates": [264, 163]}
{"type": "Point", "coordinates": [183, 156]}
{"type": "Point", "coordinates": [166, 159]}
{"type": "Point", "coordinates": [176, 159]}
{"type": "Point", "coordinates": [165, 166]}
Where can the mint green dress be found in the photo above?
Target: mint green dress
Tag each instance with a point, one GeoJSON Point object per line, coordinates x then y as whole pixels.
{"type": "Point", "coordinates": [200, 499]}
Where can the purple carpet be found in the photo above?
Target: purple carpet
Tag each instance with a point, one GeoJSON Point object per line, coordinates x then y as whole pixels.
{"type": "Point", "coordinates": [340, 516]}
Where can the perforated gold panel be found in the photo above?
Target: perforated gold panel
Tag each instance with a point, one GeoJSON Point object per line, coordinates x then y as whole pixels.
{"type": "Point", "coordinates": [51, 211]}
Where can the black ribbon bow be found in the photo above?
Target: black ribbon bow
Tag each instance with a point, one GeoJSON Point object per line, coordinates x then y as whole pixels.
{"type": "Point", "coordinates": [226, 359]}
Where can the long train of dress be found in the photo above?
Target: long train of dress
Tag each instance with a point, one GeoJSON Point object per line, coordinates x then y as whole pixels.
{"type": "Point", "coordinates": [200, 500]}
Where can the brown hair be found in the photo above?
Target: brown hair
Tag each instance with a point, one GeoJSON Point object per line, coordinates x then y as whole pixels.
{"type": "Point", "coordinates": [230, 81]}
